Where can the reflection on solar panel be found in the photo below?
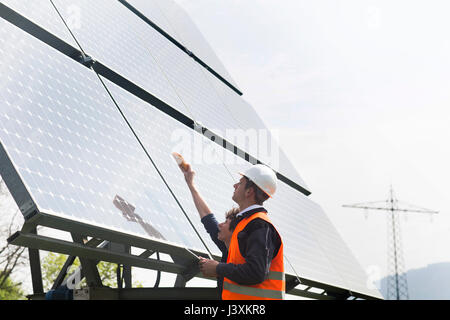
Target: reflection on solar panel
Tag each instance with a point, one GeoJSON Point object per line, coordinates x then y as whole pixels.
{"type": "Point", "coordinates": [91, 144]}
{"type": "Point", "coordinates": [73, 150]}
{"type": "Point", "coordinates": [161, 135]}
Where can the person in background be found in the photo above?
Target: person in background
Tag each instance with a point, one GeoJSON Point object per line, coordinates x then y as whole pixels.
{"type": "Point", "coordinates": [220, 233]}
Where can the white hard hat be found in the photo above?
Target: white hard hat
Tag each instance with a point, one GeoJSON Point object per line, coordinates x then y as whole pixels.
{"type": "Point", "coordinates": [264, 177]}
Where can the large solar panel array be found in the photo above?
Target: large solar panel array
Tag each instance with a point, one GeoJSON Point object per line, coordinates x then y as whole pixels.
{"type": "Point", "coordinates": [71, 146]}
{"type": "Point", "coordinates": [90, 151]}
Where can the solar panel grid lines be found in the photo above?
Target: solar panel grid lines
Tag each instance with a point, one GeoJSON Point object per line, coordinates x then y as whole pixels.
{"type": "Point", "coordinates": [122, 42]}
{"type": "Point", "coordinates": [243, 112]}
{"type": "Point", "coordinates": [148, 155]}
{"type": "Point", "coordinates": [152, 11]}
{"type": "Point", "coordinates": [174, 20]}
{"type": "Point", "coordinates": [188, 88]}
{"type": "Point", "coordinates": [194, 90]}
{"type": "Point", "coordinates": [93, 156]}
{"type": "Point", "coordinates": [42, 13]}
{"type": "Point", "coordinates": [162, 135]}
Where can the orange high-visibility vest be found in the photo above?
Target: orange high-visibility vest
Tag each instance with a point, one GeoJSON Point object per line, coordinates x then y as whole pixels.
{"type": "Point", "coordinates": [273, 288]}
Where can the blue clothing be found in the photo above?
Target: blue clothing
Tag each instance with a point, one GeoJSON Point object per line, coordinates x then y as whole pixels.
{"type": "Point", "coordinates": [259, 243]}
{"type": "Point", "coordinates": [212, 227]}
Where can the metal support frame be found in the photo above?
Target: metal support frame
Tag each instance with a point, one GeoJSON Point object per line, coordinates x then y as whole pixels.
{"type": "Point", "coordinates": [61, 280]}
{"type": "Point", "coordinates": [89, 266]}
{"type": "Point", "coordinates": [124, 275]}
{"type": "Point", "coordinates": [35, 267]}
{"type": "Point", "coordinates": [184, 265]}
{"type": "Point", "coordinates": [112, 249]}
{"type": "Point", "coordinates": [92, 293]}
{"type": "Point", "coordinates": [71, 226]}
{"type": "Point", "coordinates": [328, 292]}
{"type": "Point", "coordinates": [82, 251]}
{"type": "Point", "coordinates": [79, 272]}
{"type": "Point", "coordinates": [62, 274]}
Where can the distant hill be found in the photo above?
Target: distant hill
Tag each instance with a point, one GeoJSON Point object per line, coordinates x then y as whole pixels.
{"type": "Point", "coordinates": [429, 283]}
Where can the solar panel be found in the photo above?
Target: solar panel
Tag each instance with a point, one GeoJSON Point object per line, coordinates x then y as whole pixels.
{"type": "Point", "coordinates": [175, 21]}
{"type": "Point", "coordinates": [72, 149]}
{"type": "Point", "coordinates": [161, 135]}
{"type": "Point", "coordinates": [44, 14]}
{"type": "Point", "coordinates": [113, 35]}
{"type": "Point", "coordinates": [137, 51]}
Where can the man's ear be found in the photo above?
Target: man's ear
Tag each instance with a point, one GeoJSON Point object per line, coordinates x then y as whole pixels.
{"type": "Point", "coordinates": [249, 192]}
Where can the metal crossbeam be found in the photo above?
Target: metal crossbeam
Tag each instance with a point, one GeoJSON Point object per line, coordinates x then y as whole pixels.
{"type": "Point", "coordinates": [92, 293]}
{"type": "Point", "coordinates": [54, 222]}
{"type": "Point", "coordinates": [81, 250]}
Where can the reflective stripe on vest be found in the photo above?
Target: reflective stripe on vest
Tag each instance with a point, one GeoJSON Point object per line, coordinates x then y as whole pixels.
{"type": "Point", "coordinates": [273, 287]}
{"type": "Point", "coordinates": [275, 275]}
{"type": "Point", "coordinates": [255, 292]}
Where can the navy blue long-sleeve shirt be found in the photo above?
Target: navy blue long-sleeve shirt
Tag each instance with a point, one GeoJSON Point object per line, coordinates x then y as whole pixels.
{"type": "Point", "coordinates": [258, 243]}
{"type": "Point", "coordinates": [212, 227]}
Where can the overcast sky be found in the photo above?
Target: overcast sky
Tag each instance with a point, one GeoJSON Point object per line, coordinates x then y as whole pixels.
{"type": "Point", "coordinates": [359, 92]}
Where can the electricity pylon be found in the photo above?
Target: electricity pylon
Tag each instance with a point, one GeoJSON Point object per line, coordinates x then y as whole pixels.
{"type": "Point", "coordinates": [397, 286]}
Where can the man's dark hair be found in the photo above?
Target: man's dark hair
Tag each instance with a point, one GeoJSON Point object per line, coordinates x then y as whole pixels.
{"type": "Point", "coordinates": [231, 214]}
{"type": "Point", "coordinates": [260, 196]}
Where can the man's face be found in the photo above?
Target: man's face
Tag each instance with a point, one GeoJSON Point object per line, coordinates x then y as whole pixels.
{"type": "Point", "coordinates": [239, 191]}
{"type": "Point", "coordinates": [224, 231]}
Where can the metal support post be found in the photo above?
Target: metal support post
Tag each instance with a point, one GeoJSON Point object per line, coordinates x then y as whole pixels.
{"type": "Point", "coordinates": [35, 266]}
{"type": "Point", "coordinates": [89, 267]}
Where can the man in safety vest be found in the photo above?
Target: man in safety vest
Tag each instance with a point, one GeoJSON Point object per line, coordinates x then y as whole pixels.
{"type": "Point", "coordinates": [254, 269]}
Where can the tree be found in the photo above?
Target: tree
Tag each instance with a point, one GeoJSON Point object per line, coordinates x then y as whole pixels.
{"type": "Point", "coordinates": [11, 257]}
{"type": "Point", "coordinates": [11, 290]}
